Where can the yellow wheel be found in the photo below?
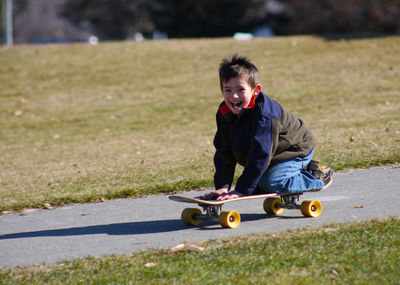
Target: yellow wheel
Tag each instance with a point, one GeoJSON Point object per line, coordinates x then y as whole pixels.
{"type": "Point", "coordinates": [190, 216]}
{"type": "Point", "coordinates": [311, 208]}
{"type": "Point", "coordinates": [271, 205]}
{"type": "Point", "coordinates": [229, 219]}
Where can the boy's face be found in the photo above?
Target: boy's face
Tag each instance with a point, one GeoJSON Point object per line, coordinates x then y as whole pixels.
{"type": "Point", "coordinates": [238, 93]}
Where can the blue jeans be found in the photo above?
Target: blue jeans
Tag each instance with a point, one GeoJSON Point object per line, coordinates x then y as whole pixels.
{"type": "Point", "coordinates": [289, 176]}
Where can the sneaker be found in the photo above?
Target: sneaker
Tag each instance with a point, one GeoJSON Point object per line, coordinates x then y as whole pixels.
{"type": "Point", "coordinates": [327, 181]}
{"type": "Point", "coordinates": [320, 171]}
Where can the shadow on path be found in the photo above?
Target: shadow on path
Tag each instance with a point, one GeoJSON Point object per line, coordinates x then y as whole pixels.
{"type": "Point", "coordinates": [134, 228]}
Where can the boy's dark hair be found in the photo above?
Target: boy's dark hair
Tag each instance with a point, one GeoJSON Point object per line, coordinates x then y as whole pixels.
{"type": "Point", "coordinates": [234, 66]}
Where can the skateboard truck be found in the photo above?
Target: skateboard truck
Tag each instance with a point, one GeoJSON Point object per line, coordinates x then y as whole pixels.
{"type": "Point", "coordinates": [290, 202]}
{"type": "Point", "coordinates": [211, 211]}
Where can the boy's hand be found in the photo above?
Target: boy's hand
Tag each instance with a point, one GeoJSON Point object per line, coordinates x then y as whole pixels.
{"type": "Point", "coordinates": [229, 195]}
{"type": "Point", "coordinates": [214, 194]}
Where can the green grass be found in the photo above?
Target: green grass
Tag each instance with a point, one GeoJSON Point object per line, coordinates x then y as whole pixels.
{"type": "Point", "coordinates": [80, 123]}
{"type": "Point", "coordinates": [352, 253]}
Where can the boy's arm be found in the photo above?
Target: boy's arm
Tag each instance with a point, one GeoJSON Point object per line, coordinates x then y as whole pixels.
{"type": "Point", "coordinates": [224, 160]}
{"type": "Point", "coordinates": [259, 155]}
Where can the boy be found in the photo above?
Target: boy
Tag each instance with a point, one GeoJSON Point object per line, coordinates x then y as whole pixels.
{"type": "Point", "coordinates": [272, 144]}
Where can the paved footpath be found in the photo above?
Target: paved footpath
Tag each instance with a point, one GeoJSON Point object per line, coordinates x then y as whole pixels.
{"type": "Point", "coordinates": [125, 226]}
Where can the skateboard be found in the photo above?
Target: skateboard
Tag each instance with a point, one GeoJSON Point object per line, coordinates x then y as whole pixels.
{"type": "Point", "coordinates": [274, 204]}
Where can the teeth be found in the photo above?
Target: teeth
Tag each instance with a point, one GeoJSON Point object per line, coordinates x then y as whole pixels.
{"type": "Point", "coordinates": [236, 104]}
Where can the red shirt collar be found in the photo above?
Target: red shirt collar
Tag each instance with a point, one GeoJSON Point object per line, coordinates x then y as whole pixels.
{"type": "Point", "coordinates": [252, 103]}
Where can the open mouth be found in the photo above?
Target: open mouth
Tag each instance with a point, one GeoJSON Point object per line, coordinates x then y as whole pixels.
{"type": "Point", "coordinates": [236, 105]}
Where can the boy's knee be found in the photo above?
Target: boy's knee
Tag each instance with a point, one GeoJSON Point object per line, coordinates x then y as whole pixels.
{"type": "Point", "coordinates": [272, 186]}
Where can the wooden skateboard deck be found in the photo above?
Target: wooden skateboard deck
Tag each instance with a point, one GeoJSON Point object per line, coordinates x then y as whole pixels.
{"type": "Point", "coordinates": [197, 200]}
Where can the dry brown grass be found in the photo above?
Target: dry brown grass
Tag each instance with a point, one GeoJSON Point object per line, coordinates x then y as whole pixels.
{"type": "Point", "coordinates": [80, 122]}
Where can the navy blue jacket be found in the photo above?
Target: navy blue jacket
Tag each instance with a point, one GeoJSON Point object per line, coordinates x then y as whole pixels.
{"type": "Point", "coordinates": [263, 134]}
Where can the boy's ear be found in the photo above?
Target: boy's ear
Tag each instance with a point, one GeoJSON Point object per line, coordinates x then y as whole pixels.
{"type": "Point", "coordinates": [257, 89]}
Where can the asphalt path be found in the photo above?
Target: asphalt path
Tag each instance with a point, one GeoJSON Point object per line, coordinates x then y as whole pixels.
{"type": "Point", "coordinates": [128, 225]}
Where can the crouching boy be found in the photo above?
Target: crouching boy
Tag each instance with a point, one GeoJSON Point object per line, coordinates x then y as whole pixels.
{"type": "Point", "coordinates": [274, 146]}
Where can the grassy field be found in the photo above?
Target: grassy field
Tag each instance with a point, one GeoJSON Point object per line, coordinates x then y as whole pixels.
{"type": "Point", "coordinates": [81, 123]}
{"type": "Point", "coordinates": [354, 253]}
